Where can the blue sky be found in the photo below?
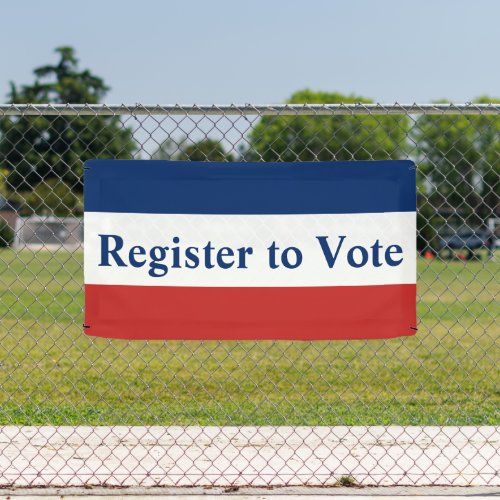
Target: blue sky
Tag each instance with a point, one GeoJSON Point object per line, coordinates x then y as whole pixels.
{"type": "Point", "coordinates": [260, 51]}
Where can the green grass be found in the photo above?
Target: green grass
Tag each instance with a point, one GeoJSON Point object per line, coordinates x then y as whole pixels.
{"type": "Point", "coordinates": [50, 372]}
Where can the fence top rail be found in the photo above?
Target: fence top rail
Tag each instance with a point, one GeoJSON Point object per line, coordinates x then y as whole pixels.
{"type": "Point", "coordinates": [248, 109]}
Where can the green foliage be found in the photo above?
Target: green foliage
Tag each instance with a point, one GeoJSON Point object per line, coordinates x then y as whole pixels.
{"type": "Point", "coordinates": [3, 182]}
{"type": "Point", "coordinates": [427, 221]}
{"type": "Point", "coordinates": [309, 138]}
{"type": "Point", "coordinates": [347, 482]}
{"type": "Point", "coordinates": [6, 234]}
{"type": "Point", "coordinates": [459, 159]}
{"type": "Point", "coordinates": [203, 150]}
{"type": "Point", "coordinates": [37, 148]}
{"type": "Point", "coordinates": [52, 197]}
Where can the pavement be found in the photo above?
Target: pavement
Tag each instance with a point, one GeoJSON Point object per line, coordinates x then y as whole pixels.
{"type": "Point", "coordinates": [237, 457]}
{"type": "Point", "coordinates": [285, 493]}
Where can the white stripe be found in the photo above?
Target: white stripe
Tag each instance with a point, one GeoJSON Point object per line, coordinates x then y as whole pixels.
{"type": "Point", "coordinates": [258, 232]}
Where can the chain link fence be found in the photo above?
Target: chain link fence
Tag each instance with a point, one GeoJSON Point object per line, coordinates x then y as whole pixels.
{"type": "Point", "coordinates": [78, 410]}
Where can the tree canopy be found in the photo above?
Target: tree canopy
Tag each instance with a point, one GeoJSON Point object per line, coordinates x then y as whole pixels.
{"type": "Point", "coordinates": [36, 148]}
{"type": "Point", "coordinates": [458, 157]}
{"type": "Point", "coordinates": [203, 150]}
{"type": "Point", "coordinates": [310, 138]}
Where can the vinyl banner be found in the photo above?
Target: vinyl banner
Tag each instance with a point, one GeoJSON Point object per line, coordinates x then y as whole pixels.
{"type": "Point", "coordinates": [202, 250]}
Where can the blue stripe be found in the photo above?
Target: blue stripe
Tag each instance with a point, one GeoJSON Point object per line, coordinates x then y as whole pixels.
{"type": "Point", "coordinates": [182, 187]}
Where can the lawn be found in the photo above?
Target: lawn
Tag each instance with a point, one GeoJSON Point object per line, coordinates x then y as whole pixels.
{"type": "Point", "coordinates": [52, 373]}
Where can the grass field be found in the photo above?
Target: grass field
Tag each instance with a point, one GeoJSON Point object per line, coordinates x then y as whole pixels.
{"type": "Point", "coordinates": [52, 373]}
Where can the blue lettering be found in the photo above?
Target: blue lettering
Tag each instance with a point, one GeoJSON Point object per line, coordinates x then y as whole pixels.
{"type": "Point", "coordinates": [225, 252]}
{"type": "Point", "coordinates": [134, 252]}
{"type": "Point", "coordinates": [208, 255]}
{"type": "Point", "coordinates": [394, 250]}
{"type": "Point", "coordinates": [364, 256]}
{"type": "Point", "coordinates": [176, 251]}
{"type": "Point", "coordinates": [192, 259]}
{"type": "Point", "coordinates": [106, 252]}
{"type": "Point", "coordinates": [325, 247]}
{"type": "Point", "coordinates": [286, 261]}
{"type": "Point", "coordinates": [157, 255]}
{"type": "Point", "coordinates": [242, 255]}
{"type": "Point", "coordinates": [272, 255]}
{"type": "Point", "coordinates": [376, 253]}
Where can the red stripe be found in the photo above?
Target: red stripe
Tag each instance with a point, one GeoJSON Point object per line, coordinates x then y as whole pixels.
{"type": "Point", "coordinates": [294, 313]}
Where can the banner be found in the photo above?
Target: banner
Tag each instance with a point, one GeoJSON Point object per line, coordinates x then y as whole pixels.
{"type": "Point", "coordinates": [297, 251]}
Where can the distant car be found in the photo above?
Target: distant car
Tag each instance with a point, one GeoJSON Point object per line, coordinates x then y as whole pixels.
{"type": "Point", "coordinates": [466, 238]}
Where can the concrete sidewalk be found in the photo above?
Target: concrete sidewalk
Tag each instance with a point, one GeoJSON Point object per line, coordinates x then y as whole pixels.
{"type": "Point", "coordinates": [248, 456]}
{"type": "Point", "coordinates": [285, 493]}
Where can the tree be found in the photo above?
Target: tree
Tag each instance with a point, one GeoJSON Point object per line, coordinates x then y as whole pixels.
{"type": "Point", "coordinates": [204, 150]}
{"type": "Point", "coordinates": [52, 197]}
{"type": "Point", "coordinates": [37, 148]}
{"type": "Point", "coordinates": [310, 138]}
{"type": "Point", "coordinates": [459, 160]}
{"type": "Point", "coordinates": [3, 182]}
{"type": "Point", "coordinates": [488, 140]}
{"type": "Point", "coordinates": [6, 234]}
